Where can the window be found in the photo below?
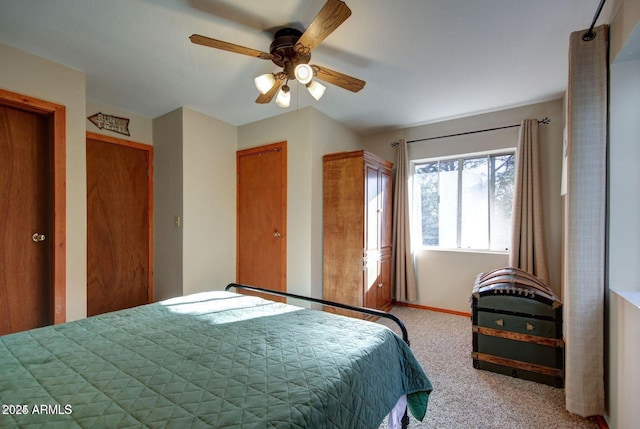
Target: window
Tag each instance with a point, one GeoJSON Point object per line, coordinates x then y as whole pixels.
{"type": "Point", "coordinates": [465, 202]}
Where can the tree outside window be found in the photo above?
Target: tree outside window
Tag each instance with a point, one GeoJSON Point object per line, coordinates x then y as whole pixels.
{"type": "Point", "coordinates": [465, 202]}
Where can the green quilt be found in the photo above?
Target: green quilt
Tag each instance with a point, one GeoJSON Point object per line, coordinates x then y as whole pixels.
{"type": "Point", "coordinates": [216, 359]}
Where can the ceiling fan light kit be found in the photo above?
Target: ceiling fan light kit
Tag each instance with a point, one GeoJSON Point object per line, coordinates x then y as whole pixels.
{"type": "Point", "coordinates": [303, 73]}
{"type": "Point", "coordinates": [291, 50]}
{"type": "Point", "coordinates": [265, 82]}
{"type": "Point", "coordinates": [284, 96]}
{"type": "Point", "coordinates": [316, 89]}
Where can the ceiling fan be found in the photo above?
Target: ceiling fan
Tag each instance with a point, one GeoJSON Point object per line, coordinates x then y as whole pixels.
{"type": "Point", "coordinates": [291, 50]}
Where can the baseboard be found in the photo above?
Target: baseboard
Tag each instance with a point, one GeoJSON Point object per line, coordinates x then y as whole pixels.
{"type": "Point", "coordinates": [425, 307]}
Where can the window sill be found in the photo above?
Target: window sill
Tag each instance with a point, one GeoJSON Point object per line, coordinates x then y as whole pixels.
{"type": "Point", "coordinates": [631, 296]}
{"type": "Point", "coordinates": [444, 249]}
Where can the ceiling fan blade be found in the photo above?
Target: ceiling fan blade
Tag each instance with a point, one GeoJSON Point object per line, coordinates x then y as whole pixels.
{"type": "Point", "coordinates": [226, 46]}
{"type": "Point", "coordinates": [332, 14]}
{"type": "Point", "coordinates": [339, 79]}
{"type": "Point", "coordinates": [266, 98]}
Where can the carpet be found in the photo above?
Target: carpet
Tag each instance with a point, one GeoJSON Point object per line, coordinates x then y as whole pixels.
{"type": "Point", "coordinates": [464, 397]}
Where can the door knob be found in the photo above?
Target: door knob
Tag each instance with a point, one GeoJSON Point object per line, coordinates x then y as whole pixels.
{"type": "Point", "coordinates": [38, 237]}
{"type": "Point", "coordinates": [277, 234]}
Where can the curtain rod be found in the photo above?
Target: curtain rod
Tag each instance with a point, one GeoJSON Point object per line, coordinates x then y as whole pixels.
{"type": "Point", "coordinates": [543, 121]}
{"type": "Point", "coordinates": [590, 35]}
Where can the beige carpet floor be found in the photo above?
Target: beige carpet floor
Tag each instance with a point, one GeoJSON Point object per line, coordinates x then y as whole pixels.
{"type": "Point", "coordinates": [465, 397]}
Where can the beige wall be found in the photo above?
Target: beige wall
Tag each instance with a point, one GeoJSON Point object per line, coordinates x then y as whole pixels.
{"type": "Point", "coordinates": [625, 18]}
{"type": "Point", "coordinates": [309, 134]}
{"type": "Point", "coordinates": [167, 205]}
{"type": "Point", "coordinates": [624, 176]}
{"type": "Point", "coordinates": [194, 179]}
{"type": "Point", "coordinates": [36, 77]}
{"type": "Point", "coordinates": [209, 202]}
{"type": "Point", "coordinates": [623, 390]}
{"type": "Point", "coordinates": [445, 278]}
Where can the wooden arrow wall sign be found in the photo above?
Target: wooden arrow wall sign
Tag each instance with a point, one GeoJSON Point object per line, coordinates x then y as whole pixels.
{"type": "Point", "coordinates": [110, 123]}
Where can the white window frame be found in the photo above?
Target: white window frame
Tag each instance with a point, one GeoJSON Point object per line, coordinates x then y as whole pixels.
{"type": "Point", "coordinates": [416, 209]}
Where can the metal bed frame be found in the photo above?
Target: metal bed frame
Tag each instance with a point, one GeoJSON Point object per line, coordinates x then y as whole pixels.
{"type": "Point", "coordinates": [364, 310]}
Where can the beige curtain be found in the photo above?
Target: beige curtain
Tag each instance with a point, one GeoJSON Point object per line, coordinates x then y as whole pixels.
{"type": "Point", "coordinates": [528, 244]}
{"type": "Point", "coordinates": [584, 287]}
{"type": "Point", "coordinates": [404, 277]}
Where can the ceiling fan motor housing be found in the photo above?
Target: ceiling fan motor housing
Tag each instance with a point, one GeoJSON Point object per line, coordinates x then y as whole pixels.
{"type": "Point", "coordinates": [284, 52]}
{"type": "Point", "coordinates": [292, 48]}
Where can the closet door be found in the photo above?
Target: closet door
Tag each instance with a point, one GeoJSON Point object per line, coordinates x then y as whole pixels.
{"type": "Point", "coordinates": [262, 218]}
{"type": "Point", "coordinates": [25, 221]}
{"type": "Point", "coordinates": [119, 219]}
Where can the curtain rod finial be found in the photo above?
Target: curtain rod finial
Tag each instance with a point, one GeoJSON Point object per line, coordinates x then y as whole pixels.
{"type": "Point", "coordinates": [395, 144]}
{"type": "Point", "coordinates": [545, 120]}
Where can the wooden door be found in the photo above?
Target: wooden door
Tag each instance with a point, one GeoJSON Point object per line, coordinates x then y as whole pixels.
{"type": "Point", "coordinates": [119, 238]}
{"type": "Point", "coordinates": [343, 252]}
{"type": "Point", "coordinates": [386, 237]}
{"type": "Point", "coordinates": [25, 221]}
{"type": "Point", "coordinates": [386, 209]}
{"type": "Point", "coordinates": [372, 235]}
{"type": "Point", "coordinates": [261, 217]}
{"type": "Point", "coordinates": [378, 237]}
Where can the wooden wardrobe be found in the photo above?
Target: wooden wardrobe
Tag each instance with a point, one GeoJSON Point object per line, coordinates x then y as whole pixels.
{"type": "Point", "coordinates": [357, 210]}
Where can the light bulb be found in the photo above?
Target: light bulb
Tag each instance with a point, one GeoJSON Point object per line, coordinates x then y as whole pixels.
{"type": "Point", "coordinates": [316, 89]}
{"type": "Point", "coordinates": [303, 73]}
{"type": "Point", "coordinates": [284, 97]}
{"type": "Point", "coordinates": [265, 82]}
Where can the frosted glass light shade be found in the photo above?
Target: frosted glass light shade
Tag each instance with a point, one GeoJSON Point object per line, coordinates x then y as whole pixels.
{"type": "Point", "coordinates": [303, 73]}
{"type": "Point", "coordinates": [284, 97]}
{"type": "Point", "coordinates": [316, 89]}
{"type": "Point", "coordinates": [265, 82]}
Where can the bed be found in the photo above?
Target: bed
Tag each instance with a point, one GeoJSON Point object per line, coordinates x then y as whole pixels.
{"type": "Point", "coordinates": [216, 359]}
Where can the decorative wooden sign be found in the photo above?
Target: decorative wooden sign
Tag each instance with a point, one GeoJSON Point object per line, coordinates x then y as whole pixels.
{"type": "Point", "coordinates": [110, 123]}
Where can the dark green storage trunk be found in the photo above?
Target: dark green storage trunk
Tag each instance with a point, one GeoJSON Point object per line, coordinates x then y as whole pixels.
{"type": "Point", "coordinates": [517, 327]}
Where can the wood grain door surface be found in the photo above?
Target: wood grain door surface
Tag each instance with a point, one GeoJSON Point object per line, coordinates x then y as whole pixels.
{"type": "Point", "coordinates": [372, 234]}
{"type": "Point", "coordinates": [379, 206]}
{"type": "Point", "coordinates": [386, 238]}
{"type": "Point", "coordinates": [261, 217]}
{"type": "Point", "coordinates": [343, 229]}
{"type": "Point", "coordinates": [118, 226]}
{"type": "Point", "coordinates": [25, 221]}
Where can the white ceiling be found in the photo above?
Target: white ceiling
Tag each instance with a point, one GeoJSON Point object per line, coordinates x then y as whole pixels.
{"type": "Point", "coordinates": [423, 60]}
